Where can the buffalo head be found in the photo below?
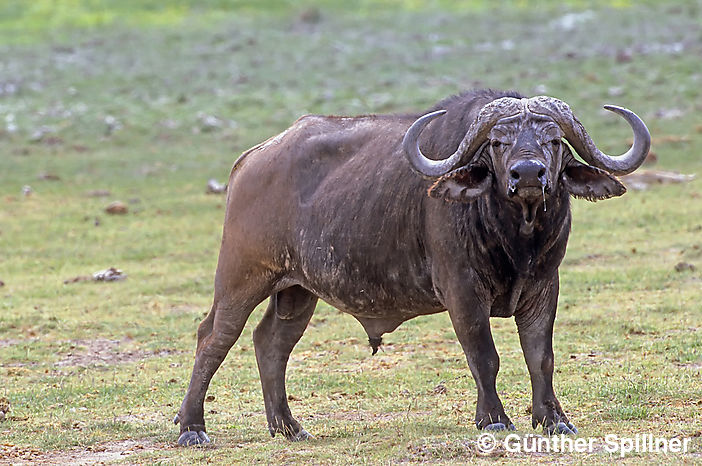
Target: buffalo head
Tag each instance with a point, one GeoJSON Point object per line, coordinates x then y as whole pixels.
{"type": "Point", "coordinates": [515, 147]}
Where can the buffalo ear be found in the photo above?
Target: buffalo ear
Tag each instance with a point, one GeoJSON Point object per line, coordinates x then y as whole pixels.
{"type": "Point", "coordinates": [464, 184]}
{"type": "Point", "coordinates": [591, 183]}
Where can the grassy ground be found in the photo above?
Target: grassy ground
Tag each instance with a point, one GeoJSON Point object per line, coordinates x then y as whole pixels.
{"type": "Point", "coordinates": [149, 100]}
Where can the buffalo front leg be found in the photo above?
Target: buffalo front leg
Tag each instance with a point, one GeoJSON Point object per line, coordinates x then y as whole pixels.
{"type": "Point", "coordinates": [215, 336]}
{"type": "Point", "coordinates": [471, 321]}
{"type": "Point", "coordinates": [289, 311]}
{"type": "Point", "coordinates": [535, 327]}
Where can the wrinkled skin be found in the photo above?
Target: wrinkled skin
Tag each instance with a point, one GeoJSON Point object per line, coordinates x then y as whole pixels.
{"type": "Point", "coordinates": [332, 209]}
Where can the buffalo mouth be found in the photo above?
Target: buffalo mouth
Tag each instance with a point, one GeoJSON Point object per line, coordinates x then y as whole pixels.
{"type": "Point", "coordinates": [530, 199]}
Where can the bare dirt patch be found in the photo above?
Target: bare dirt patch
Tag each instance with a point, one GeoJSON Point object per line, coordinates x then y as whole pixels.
{"type": "Point", "coordinates": [102, 352]}
{"type": "Point", "coordinates": [6, 343]}
{"type": "Point", "coordinates": [101, 453]}
{"type": "Point", "coordinates": [361, 415]}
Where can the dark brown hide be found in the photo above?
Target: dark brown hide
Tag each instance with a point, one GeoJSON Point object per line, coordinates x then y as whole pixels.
{"type": "Point", "coordinates": [331, 209]}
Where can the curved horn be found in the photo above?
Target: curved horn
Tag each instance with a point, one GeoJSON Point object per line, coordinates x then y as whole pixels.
{"type": "Point", "coordinates": [420, 162]}
{"type": "Point", "coordinates": [635, 156]}
{"type": "Point", "coordinates": [473, 139]}
{"type": "Point", "coordinates": [577, 136]}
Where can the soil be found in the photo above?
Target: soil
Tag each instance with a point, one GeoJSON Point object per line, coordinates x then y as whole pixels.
{"type": "Point", "coordinates": [104, 352]}
{"type": "Point", "coordinates": [95, 454]}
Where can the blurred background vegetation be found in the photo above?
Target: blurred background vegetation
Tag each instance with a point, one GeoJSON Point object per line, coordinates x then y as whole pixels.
{"type": "Point", "coordinates": [27, 21]}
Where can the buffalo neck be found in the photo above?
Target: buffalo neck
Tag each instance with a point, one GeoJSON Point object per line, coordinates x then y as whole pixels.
{"type": "Point", "coordinates": [489, 231]}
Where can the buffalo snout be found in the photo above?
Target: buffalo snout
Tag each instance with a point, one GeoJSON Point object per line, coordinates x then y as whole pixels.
{"type": "Point", "coordinates": [526, 176]}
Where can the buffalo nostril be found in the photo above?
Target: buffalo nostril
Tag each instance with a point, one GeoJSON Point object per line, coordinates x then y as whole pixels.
{"type": "Point", "coordinates": [528, 173]}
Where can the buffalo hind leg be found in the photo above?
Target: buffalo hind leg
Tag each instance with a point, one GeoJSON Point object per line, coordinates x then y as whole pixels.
{"type": "Point", "coordinates": [535, 327]}
{"type": "Point", "coordinates": [215, 336]}
{"type": "Point", "coordinates": [289, 311]}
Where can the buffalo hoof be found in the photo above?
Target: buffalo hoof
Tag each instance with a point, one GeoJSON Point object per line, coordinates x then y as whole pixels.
{"type": "Point", "coordinates": [561, 428]}
{"type": "Point", "coordinates": [497, 426]}
{"type": "Point", "coordinates": [300, 436]}
{"type": "Point", "coordinates": [191, 438]}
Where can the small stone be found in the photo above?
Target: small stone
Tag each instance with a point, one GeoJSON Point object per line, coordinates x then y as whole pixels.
{"type": "Point", "coordinates": [683, 266]}
{"type": "Point", "coordinates": [311, 15]}
{"type": "Point", "coordinates": [117, 208]}
{"type": "Point", "coordinates": [440, 389]}
{"type": "Point", "coordinates": [209, 123]}
{"type": "Point", "coordinates": [651, 158]}
{"type": "Point", "coordinates": [615, 91]}
{"type": "Point", "coordinates": [624, 56]}
{"type": "Point", "coordinates": [112, 124]}
{"type": "Point", "coordinates": [109, 275]}
{"type": "Point", "coordinates": [214, 187]}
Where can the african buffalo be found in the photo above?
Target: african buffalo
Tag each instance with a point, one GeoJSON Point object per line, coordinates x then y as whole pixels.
{"type": "Point", "coordinates": [369, 214]}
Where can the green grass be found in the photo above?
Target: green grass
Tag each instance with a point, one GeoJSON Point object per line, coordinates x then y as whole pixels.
{"type": "Point", "coordinates": [116, 96]}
